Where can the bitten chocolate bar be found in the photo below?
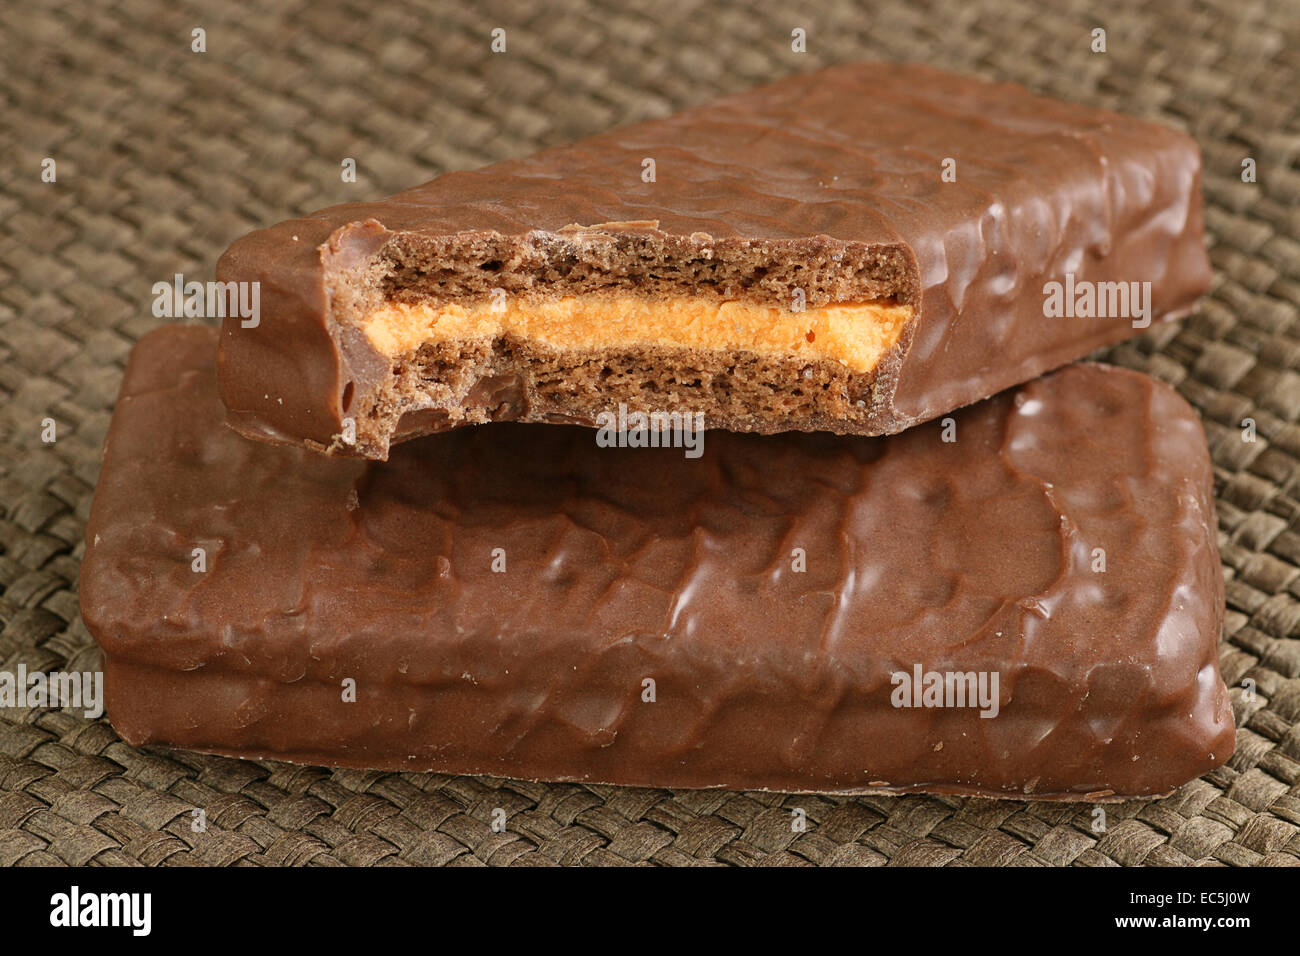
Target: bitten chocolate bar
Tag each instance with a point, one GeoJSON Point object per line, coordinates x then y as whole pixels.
{"type": "Point", "coordinates": [1030, 609]}
{"type": "Point", "coordinates": [855, 250]}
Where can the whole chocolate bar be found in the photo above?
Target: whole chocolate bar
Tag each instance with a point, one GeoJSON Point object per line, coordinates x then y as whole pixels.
{"type": "Point", "coordinates": [855, 250]}
{"type": "Point", "coordinates": [1030, 609]}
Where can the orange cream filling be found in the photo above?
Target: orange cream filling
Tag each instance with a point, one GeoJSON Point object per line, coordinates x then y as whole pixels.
{"type": "Point", "coordinates": [856, 335]}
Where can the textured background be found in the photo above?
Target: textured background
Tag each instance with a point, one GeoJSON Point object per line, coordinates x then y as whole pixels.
{"type": "Point", "coordinates": [165, 156]}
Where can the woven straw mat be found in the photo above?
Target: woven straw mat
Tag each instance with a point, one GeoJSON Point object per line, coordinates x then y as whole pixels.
{"type": "Point", "coordinates": [164, 156]}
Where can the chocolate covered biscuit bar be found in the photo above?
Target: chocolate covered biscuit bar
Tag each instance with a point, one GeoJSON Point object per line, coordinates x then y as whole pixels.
{"type": "Point", "coordinates": [1022, 602]}
{"type": "Point", "coordinates": [856, 250]}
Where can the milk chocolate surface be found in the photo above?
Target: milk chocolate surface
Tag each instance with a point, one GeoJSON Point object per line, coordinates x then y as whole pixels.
{"type": "Point", "coordinates": [824, 190]}
{"type": "Point", "coordinates": [514, 600]}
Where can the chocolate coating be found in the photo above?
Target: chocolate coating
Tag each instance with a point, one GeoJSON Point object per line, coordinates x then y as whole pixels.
{"type": "Point", "coordinates": [628, 564]}
{"type": "Point", "coordinates": [843, 165]}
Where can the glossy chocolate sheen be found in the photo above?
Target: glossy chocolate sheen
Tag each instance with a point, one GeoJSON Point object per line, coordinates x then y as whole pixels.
{"type": "Point", "coordinates": [851, 158]}
{"type": "Point", "coordinates": [623, 566]}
